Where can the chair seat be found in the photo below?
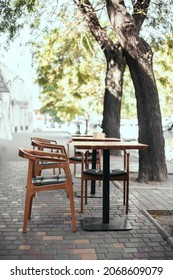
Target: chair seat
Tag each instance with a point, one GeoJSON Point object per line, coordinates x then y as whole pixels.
{"type": "Point", "coordinates": [49, 180]}
{"type": "Point", "coordinates": [47, 163]}
{"type": "Point", "coordinates": [80, 158]}
{"type": "Point", "coordinates": [99, 173]}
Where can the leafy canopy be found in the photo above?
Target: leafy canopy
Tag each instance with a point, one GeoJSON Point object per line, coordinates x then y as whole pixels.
{"type": "Point", "coordinates": [70, 72]}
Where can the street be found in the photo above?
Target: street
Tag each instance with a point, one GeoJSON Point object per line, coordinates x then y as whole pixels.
{"type": "Point", "coordinates": [9, 149]}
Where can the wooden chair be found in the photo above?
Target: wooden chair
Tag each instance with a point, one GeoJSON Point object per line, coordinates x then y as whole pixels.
{"type": "Point", "coordinates": [36, 184]}
{"type": "Point", "coordinates": [76, 158]}
{"type": "Point", "coordinates": [115, 175]}
{"type": "Point", "coordinates": [46, 146]}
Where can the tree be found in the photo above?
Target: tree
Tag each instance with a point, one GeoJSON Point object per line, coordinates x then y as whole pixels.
{"type": "Point", "coordinates": [138, 56]}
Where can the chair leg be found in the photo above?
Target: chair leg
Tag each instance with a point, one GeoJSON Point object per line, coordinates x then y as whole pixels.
{"type": "Point", "coordinates": [86, 192]}
{"type": "Point", "coordinates": [30, 206]}
{"type": "Point", "coordinates": [127, 197]}
{"type": "Point", "coordinates": [82, 187]}
{"type": "Point", "coordinates": [99, 167]}
{"type": "Point", "coordinates": [27, 211]}
{"type": "Point", "coordinates": [124, 193]}
{"type": "Point", "coordinates": [74, 169]}
{"type": "Point", "coordinates": [71, 198]}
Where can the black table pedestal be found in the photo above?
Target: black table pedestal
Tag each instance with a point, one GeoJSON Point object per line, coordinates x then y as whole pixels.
{"type": "Point", "coordinates": [115, 224]}
{"type": "Point", "coordinates": [97, 194]}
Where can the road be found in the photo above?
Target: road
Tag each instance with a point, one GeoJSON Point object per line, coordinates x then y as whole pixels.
{"type": "Point", "coordinates": [9, 149]}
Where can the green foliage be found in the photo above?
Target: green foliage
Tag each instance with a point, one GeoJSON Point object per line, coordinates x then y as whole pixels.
{"type": "Point", "coordinates": [163, 59]}
{"type": "Point", "coordinates": [159, 21]}
{"type": "Point", "coordinates": [128, 105]}
{"type": "Point", "coordinates": [70, 72]}
{"type": "Point", "coordinates": [13, 15]}
{"type": "Point", "coordinates": [71, 69]}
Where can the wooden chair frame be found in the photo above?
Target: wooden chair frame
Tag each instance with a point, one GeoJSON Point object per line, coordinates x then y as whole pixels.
{"type": "Point", "coordinates": [45, 146]}
{"type": "Point", "coordinates": [62, 162]}
{"type": "Point", "coordinates": [77, 157]}
{"type": "Point", "coordinates": [121, 175]}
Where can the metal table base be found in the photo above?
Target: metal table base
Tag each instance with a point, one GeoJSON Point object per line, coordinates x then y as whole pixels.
{"type": "Point", "coordinates": [115, 224]}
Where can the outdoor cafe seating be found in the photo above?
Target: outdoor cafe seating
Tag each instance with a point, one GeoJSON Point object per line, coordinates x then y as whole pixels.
{"type": "Point", "coordinates": [46, 146]}
{"type": "Point", "coordinates": [44, 183]}
{"type": "Point", "coordinates": [97, 175]}
{"type": "Point", "coordinates": [76, 158]}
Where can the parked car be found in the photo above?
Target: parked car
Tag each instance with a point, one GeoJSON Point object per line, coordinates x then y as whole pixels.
{"type": "Point", "coordinates": [129, 130]}
{"type": "Point", "coordinates": [170, 127]}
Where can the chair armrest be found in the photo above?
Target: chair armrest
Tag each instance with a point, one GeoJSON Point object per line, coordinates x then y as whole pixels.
{"type": "Point", "coordinates": [49, 155]}
{"type": "Point", "coordinates": [42, 155]}
{"type": "Point", "coordinates": [48, 146]}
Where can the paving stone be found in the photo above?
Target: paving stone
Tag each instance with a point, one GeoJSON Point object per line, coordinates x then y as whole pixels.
{"type": "Point", "coordinates": [49, 235]}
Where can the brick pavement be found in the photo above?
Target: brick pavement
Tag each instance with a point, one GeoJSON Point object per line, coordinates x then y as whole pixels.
{"type": "Point", "coordinates": [49, 235]}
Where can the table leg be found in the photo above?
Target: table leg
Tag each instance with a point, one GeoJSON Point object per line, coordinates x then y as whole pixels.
{"type": "Point", "coordinates": [93, 183]}
{"type": "Point", "coordinates": [106, 187]}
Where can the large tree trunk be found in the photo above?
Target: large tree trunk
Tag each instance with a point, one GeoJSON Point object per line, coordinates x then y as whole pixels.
{"type": "Point", "coordinates": [138, 55]}
{"type": "Point", "coordinates": [114, 71]}
{"type": "Point", "coordinates": [152, 166]}
{"type": "Point", "coordinates": [113, 95]}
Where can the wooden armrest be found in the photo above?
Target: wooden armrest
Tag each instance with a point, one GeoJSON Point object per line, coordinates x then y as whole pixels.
{"type": "Point", "coordinates": [49, 154]}
{"type": "Point", "coordinates": [52, 159]}
{"type": "Point", "coordinates": [40, 154]}
{"type": "Point", "coordinates": [48, 145]}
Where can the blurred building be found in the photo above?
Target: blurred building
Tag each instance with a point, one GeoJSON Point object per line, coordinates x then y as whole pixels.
{"type": "Point", "coordinates": [16, 114]}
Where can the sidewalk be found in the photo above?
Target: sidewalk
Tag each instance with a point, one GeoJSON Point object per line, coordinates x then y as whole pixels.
{"type": "Point", "coordinates": [49, 233]}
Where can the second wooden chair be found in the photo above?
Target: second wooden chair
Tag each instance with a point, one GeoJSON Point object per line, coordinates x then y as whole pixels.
{"type": "Point", "coordinates": [115, 175]}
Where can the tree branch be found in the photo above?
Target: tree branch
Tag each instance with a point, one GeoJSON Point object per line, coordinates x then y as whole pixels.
{"type": "Point", "coordinates": [96, 29]}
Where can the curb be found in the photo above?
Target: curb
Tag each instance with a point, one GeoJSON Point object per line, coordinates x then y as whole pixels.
{"type": "Point", "coordinates": [161, 229]}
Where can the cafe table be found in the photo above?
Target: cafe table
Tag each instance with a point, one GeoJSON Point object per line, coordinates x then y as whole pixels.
{"type": "Point", "coordinates": [105, 223]}
{"type": "Point", "coordinates": [94, 155]}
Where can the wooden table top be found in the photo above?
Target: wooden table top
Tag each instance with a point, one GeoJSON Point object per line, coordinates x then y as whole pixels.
{"type": "Point", "coordinates": [90, 138]}
{"type": "Point", "coordinates": [109, 145]}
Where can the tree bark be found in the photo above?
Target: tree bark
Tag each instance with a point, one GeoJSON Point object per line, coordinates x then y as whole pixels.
{"type": "Point", "coordinates": [113, 95]}
{"type": "Point", "coordinates": [138, 54]}
{"type": "Point", "coordinates": [114, 71]}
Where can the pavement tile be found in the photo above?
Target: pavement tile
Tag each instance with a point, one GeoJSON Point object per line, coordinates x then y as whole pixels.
{"type": "Point", "coordinates": [81, 241]}
{"type": "Point", "coordinates": [53, 237]}
{"type": "Point", "coordinates": [25, 247]}
{"type": "Point", "coordinates": [88, 257]}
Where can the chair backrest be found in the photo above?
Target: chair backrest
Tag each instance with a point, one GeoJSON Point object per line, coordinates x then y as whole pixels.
{"type": "Point", "coordinates": [48, 146]}
{"type": "Point", "coordinates": [44, 140]}
{"type": "Point", "coordinates": [34, 156]}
